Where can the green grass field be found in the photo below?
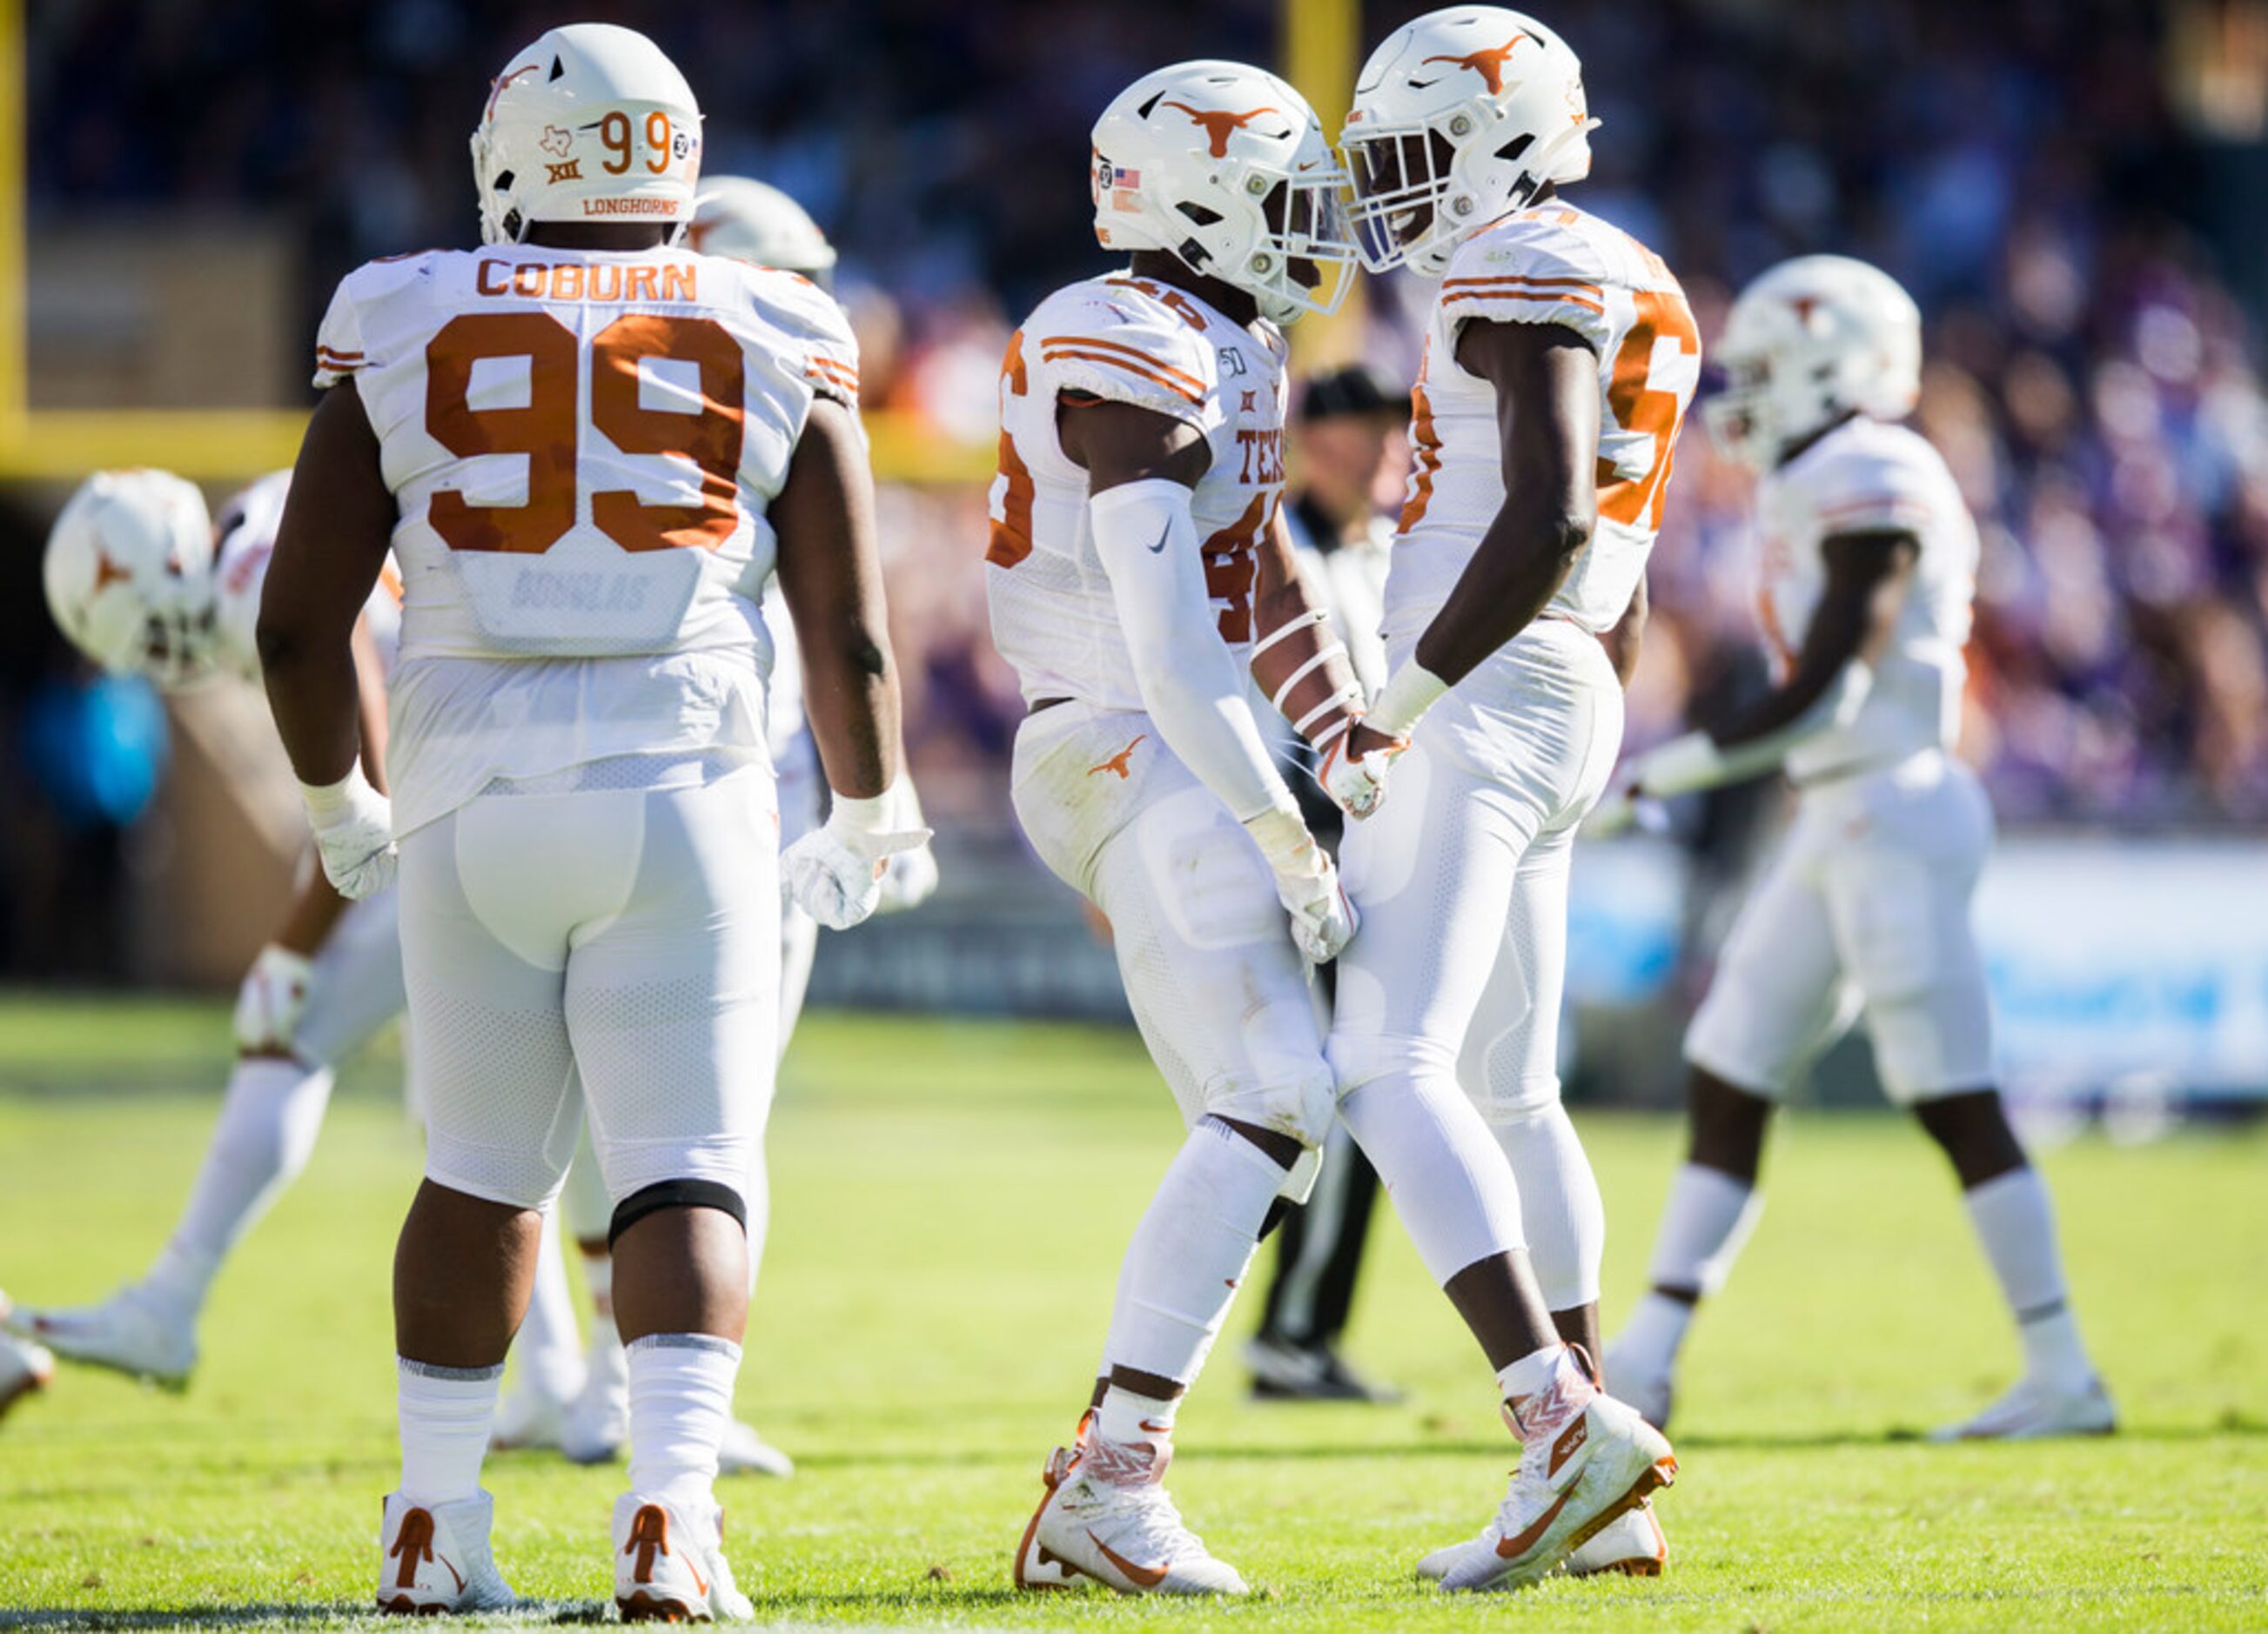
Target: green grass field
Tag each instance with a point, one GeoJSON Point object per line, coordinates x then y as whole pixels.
{"type": "Point", "coordinates": [950, 1200]}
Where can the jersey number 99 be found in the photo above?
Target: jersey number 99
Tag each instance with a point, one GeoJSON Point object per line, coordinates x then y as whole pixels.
{"type": "Point", "coordinates": [544, 428]}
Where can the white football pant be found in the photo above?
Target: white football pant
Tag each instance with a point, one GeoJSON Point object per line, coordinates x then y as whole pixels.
{"type": "Point", "coordinates": [1204, 948]}
{"type": "Point", "coordinates": [613, 947]}
{"type": "Point", "coordinates": [1867, 906]}
{"type": "Point", "coordinates": [1461, 879]}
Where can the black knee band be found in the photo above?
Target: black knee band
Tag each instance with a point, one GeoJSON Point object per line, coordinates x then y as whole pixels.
{"type": "Point", "coordinates": [674, 1194]}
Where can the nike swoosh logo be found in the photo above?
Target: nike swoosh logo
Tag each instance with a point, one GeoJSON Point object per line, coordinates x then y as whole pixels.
{"type": "Point", "coordinates": [696, 1573]}
{"type": "Point", "coordinates": [453, 1571]}
{"type": "Point", "coordinates": [1143, 1577]}
{"type": "Point", "coordinates": [1512, 1548]}
{"type": "Point", "coordinates": [1162, 534]}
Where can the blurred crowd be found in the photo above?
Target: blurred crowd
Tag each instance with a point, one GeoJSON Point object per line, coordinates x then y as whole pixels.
{"type": "Point", "coordinates": [2024, 166]}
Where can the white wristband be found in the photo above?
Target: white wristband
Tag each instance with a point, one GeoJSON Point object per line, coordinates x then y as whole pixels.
{"type": "Point", "coordinates": [1402, 701]}
{"type": "Point", "coordinates": [329, 802]}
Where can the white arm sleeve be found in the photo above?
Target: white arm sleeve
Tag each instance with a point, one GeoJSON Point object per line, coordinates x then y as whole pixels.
{"type": "Point", "coordinates": [1191, 682]}
{"type": "Point", "coordinates": [1695, 761]}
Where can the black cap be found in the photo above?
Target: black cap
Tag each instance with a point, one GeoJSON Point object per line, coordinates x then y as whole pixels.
{"type": "Point", "coordinates": [1353, 390]}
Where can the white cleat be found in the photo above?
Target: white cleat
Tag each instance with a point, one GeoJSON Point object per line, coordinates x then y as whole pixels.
{"type": "Point", "coordinates": [2033, 1409]}
{"type": "Point", "coordinates": [744, 1453]}
{"type": "Point", "coordinates": [24, 1368]}
{"type": "Point", "coordinates": [528, 1419]}
{"type": "Point", "coordinates": [1632, 1544]}
{"type": "Point", "coordinates": [1653, 1392]}
{"type": "Point", "coordinates": [668, 1569]}
{"type": "Point", "coordinates": [129, 1333]}
{"type": "Point", "coordinates": [1106, 1516]}
{"type": "Point", "coordinates": [1585, 1459]}
{"type": "Point", "coordinates": [435, 1559]}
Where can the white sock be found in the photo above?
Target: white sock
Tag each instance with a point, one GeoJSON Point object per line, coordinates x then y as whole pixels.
{"type": "Point", "coordinates": [2016, 1222]}
{"type": "Point", "coordinates": [549, 1350]}
{"type": "Point", "coordinates": [267, 1129]}
{"type": "Point", "coordinates": [444, 1413]}
{"type": "Point", "coordinates": [1559, 1205]}
{"type": "Point", "coordinates": [1648, 1346]}
{"type": "Point", "coordinates": [681, 1403]}
{"type": "Point", "coordinates": [1703, 1226]}
{"type": "Point", "coordinates": [1532, 1373]}
{"type": "Point", "coordinates": [1190, 1252]}
{"type": "Point", "coordinates": [1448, 1179]}
{"type": "Point", "coordinates": [1128, 1418]}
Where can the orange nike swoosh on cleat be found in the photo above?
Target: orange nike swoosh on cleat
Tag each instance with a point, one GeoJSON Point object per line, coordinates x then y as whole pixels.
{"type": "Point", "coordinates": [453, 1571]}
{"type": "Point", "coordinates": [1143, 1577]}
{"type": "Point", "coordinates": [1513, 1547]}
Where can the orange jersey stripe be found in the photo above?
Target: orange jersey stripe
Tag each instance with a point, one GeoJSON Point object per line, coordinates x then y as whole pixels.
{"type": "Point", "coordinates": [1155, 374]}
{"type": "Point", "coordinates": [1183, 375]}
{"type": "Point", "coordinates": [1537, 297]}
{"type": "Point", "coordinates": [1521, 277]}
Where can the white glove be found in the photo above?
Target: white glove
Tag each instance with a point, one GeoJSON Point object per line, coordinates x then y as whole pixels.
{"type": "Point", "coordinates": [1355, 786]}
{"type": "Point", "coordinates": [834, 873]}
{"type": "Point", "coordinates": [272, 1001]}
{"type": "Point", "coordinates": [354, 831]}
{"type": "Point", "coordinates": [1323, 919]}
{"type": "Point", "coordinates": [910, 877]}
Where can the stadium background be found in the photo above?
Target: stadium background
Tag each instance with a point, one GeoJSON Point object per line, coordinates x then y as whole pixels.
{"type": "Point", "coordinates": [2065, 187]}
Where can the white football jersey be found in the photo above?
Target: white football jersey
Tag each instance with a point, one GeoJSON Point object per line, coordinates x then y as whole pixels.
{"type": "Point", "coordinates": [1866, 476]}
{"type": "Point", "coordinates": [244, 534]}
{"type": "Point", "coordinates": [582, 445]}
{"type": "Point", "coordinates": [1550, 264]}
{"type": "Point", "coordinates": [1125, 339]}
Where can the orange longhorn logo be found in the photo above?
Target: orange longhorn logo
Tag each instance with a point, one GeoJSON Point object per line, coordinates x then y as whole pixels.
{"type": "Point", "coordinates": [1220, 126]}
{"type": "Point", "coordinates": [108, 573]}
{"type": "Point", "coordinates": [1119, 761]}
{"type": "Point", "coordinates": [1488, 64]}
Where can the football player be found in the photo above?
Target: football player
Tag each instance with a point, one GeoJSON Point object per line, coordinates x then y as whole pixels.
{"type": "Point", "coordinates": [749, 221]}
{"type": "Point", "coordinates": [1868, 561]}
{"type": "Point", "coordinates": [143, 582]}
{"type": "Point", "coordinates": [1138, 568]}
{"type": "Point", "coordinates": [1559, 357]}
{"type": "Point", "coordinates": [589, 449]}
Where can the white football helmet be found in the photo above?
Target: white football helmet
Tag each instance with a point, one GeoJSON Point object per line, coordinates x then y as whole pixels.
{"type": "Point", "coordinates": [1225, 167]}
{"type": "Point", "coordinates": [753, 221]}
{"type": "Point", "coordinates": [1808, 342]}
{"type": "Point", "coordinates": [129, 576]}
{"type": "Point", "coordinates": [589, 123]}
{"type": "Point", "coordinates": [1460, 119]}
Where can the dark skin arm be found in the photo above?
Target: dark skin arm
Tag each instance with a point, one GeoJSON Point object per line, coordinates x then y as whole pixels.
{"type": "Point", "coordinates": [830, 570]}
{"type": "Point", "coordinates": [1858, 613]}
{"type": "Point", "coordinates": [1547, 392]}
{"type": "Point", "coordinates": [308, 922]}
{"type": "Point", "coordinates": [1116, 444]}
{"type": "Point", "coordinates": [338, 520]}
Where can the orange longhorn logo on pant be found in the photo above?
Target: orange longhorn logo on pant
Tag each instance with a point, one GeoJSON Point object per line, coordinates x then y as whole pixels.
{"type": "Point", "coordinates": [1118, 763]}
{"type": "Point", "coordinates": [1218, 126]}
{"type": "Point", "coordinates": [1488, 64]}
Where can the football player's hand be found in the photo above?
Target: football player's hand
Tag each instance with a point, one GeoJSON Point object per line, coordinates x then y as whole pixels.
{"type": "Point", "coordinates": [1323, 918]}
{"type": "Point", "coordinates": [272, 1001]}
{"type": "Point", "coordinates": [354, 833]}
{"type": "Point", "coordinates": [834, 873]}
{"type": "Point", "coordinates": [910, 877]}
{"type": "Point", "coordinates": [1353, 769]}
